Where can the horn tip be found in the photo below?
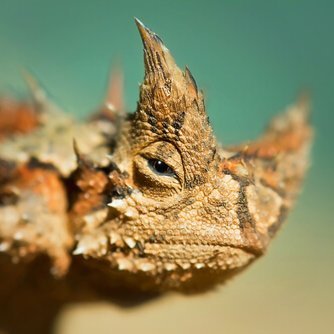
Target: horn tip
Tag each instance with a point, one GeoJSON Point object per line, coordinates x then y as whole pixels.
{"type": "Point", "coordinates": [139, 23]}
{"type": "Point", "coordinates": [147, 35]}
{"type": "Point", "coordinates": [142, 29]}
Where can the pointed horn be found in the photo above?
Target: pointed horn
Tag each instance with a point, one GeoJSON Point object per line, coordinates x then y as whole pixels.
{"type": "Point", "coordinates": [113, 107]}
{"type": "Point", "coordinates": [192, 85]}
{"type": "Point", "coordinates": [38, 93]}
{"type": "Point", "coordinates": [171, 107]}
{"type": "Point", "coordinates": [114, 100]}
{"type": "Point", "coordinates": [159, 63]}
{"type": "Point", "coordinates": [40, 97]}
{"type": "Point", "coordinates": [304, 102]}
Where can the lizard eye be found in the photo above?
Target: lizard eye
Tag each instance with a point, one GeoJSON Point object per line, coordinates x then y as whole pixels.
{"type": "Point", "coordinates": [161, 168]}
{"type": "Point", "coordinates": [158, 169]}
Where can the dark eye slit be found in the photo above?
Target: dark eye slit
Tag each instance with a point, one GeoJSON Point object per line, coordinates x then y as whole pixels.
{"type": "Point", "coordinates": [161, 168]}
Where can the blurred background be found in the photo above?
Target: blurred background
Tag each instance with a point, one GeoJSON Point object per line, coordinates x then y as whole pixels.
{"type": "Point", "coordinates": [252, 58]}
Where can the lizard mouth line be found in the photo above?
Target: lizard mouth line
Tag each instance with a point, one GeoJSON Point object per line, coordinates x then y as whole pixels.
{"type": "Point", "coordinates": [218, 248]}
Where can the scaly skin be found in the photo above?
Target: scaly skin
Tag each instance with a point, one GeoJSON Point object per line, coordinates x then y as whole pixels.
{"type": "Point", "coordinates": [147, 200]}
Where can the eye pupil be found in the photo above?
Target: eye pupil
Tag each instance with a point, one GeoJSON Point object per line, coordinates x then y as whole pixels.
{"type": "Point", "coordinates": [160, 167]}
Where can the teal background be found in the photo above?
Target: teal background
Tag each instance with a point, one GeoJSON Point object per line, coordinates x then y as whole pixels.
{"type": "Point", "coordinates": [251, 58]}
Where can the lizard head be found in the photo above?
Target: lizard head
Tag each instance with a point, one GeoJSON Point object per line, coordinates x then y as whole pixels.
{"type": "Point", "coordinates": [186, 213]}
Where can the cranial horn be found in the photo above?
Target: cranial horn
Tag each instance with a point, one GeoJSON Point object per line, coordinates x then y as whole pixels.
{"type": "Point", "coordinates": [159, 63]}
{"type": "Point", "coordinates": [172, 108]}
{"type": "Point", "coordinates": [39, 95]}
{"type": "Point", "coordinates": [114, 100]}
{"type": "Point", "coordinates": [161, 69]}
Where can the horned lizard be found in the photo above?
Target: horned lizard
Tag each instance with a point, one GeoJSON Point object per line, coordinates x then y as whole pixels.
{"type": "Point", "coordinates": [148, 200]}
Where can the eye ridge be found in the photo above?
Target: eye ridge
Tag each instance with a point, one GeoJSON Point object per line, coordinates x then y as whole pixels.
{"type": "Point", "coordinates": [161, 168]}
